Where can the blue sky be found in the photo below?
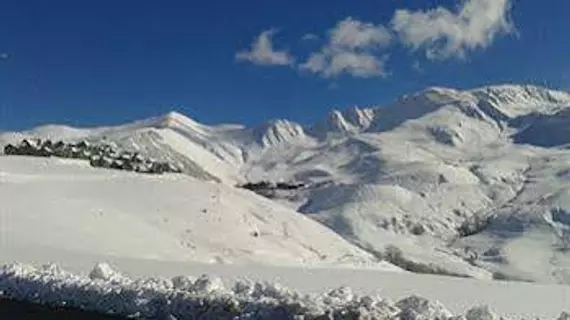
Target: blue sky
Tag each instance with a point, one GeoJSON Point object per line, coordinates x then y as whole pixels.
{"type": "Point", "coordinates": [107, 62]}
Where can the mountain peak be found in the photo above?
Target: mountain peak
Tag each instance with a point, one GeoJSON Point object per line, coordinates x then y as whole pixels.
{"type": "Point", "coordinates": [336, 122]}
{"type": "Point", "coordinates": [520, 100]}
{"type": "Point", "coordinates": [176, 120]}
{"type": "Point", "coordinates": [359, 117]}
{"type": "Point", "coordinates": [510, 101]}
{"type": "Point", "coordinates": [531, 93]}
{"type": "Point", "coordinates": [174, 117]}
{"type": "Point", "coordinates": [278, 131]}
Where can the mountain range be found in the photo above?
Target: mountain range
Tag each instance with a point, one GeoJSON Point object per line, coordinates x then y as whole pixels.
{"type": "Point", "coordinates": [469, 183]}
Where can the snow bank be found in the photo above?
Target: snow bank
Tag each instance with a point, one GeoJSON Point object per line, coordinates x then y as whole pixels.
{"type": "Point", "coordinates": [107, 290]}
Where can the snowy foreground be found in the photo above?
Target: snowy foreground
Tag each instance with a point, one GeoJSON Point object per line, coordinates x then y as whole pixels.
{"type": "Point", "coordinates": [107, 290]}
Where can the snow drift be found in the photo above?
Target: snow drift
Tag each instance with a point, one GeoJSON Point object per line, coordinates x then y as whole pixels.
{"type": "Point", "coordinates": [108, 291]}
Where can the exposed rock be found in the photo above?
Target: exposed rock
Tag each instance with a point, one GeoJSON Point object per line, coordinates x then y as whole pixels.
{"type": "Point", "coordinates": [266, 185]}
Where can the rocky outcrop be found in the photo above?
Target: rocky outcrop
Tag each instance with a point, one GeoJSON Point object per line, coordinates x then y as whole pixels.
{"type": "Point", "coordinates": [99, 155]}
{"type": "Point", "coordinates": [269, 189]}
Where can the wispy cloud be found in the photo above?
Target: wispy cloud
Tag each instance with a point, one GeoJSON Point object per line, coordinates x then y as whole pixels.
{"type": "Point", "coordinates": [417, 66]}
{"type": "Point", "coordinates": [309, 37]}
{"type": "Point", "coordinates": [262, 52]}
{"type": "Point", "coordinates": [331, 62]}
{"type": "Point", "coordinates": [355, 34]}
{"type": "Point", "coordinates": [351, 49]}
{"type": "Point", "coordinates": [4, 56]}
{"type": "Point", "coordinates": [445, 34]}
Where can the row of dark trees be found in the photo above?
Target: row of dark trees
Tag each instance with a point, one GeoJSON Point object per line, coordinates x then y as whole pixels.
{"type": "Point", "coordinates": [98, 155]}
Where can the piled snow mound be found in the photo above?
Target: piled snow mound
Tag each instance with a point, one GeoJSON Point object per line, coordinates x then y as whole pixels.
{"type": "Point", "coordinates": [107, 291]}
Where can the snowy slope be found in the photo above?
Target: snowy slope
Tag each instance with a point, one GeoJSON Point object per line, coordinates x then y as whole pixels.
{"type": "Point", "coordinates": [462, 182]}
{"type": "Point", "coordinates": [67, 206]}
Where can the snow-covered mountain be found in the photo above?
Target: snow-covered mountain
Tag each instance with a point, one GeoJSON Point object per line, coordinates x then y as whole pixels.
{"type": "Point", "coordinates": [469, 183]}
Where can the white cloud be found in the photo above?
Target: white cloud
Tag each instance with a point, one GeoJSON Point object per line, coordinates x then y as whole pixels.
{"type": "Point", "coordinates": [262, 52]}
{"type": "Point", "coordinates": [351, 49]}
{"type": "Point", "coordinates": [354, 34]}
{"type": "Point", "coordinates": [333, 62]}
{"type": "Point", "coordinates": [316, 63]}
{"type": "Point", "coordinates": [357, 48]}
{"type": "Point", "coordinates": [4, 56]}
{"type": "Point", "coordinates": [445, 34]}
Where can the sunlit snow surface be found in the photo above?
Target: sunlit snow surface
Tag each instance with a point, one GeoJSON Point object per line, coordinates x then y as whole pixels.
{"type": "Point", "coordinates": [67, 205]}
{"type": "Point", "coordinates": [408, 175]}
{"type": "Point", "coordinates": [107, 290]}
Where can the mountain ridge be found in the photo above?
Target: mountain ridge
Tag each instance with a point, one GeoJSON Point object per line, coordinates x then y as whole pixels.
{"type": "Point", "coordinates": [355, 117]}
{"type": "Point", "coordinates": [435, 174]}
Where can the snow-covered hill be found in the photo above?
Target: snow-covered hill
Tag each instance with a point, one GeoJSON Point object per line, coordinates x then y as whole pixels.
{"type": "Point", "coordinates": [460, 182]}
{"type": "Point", "coordinates": [65, 206]}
